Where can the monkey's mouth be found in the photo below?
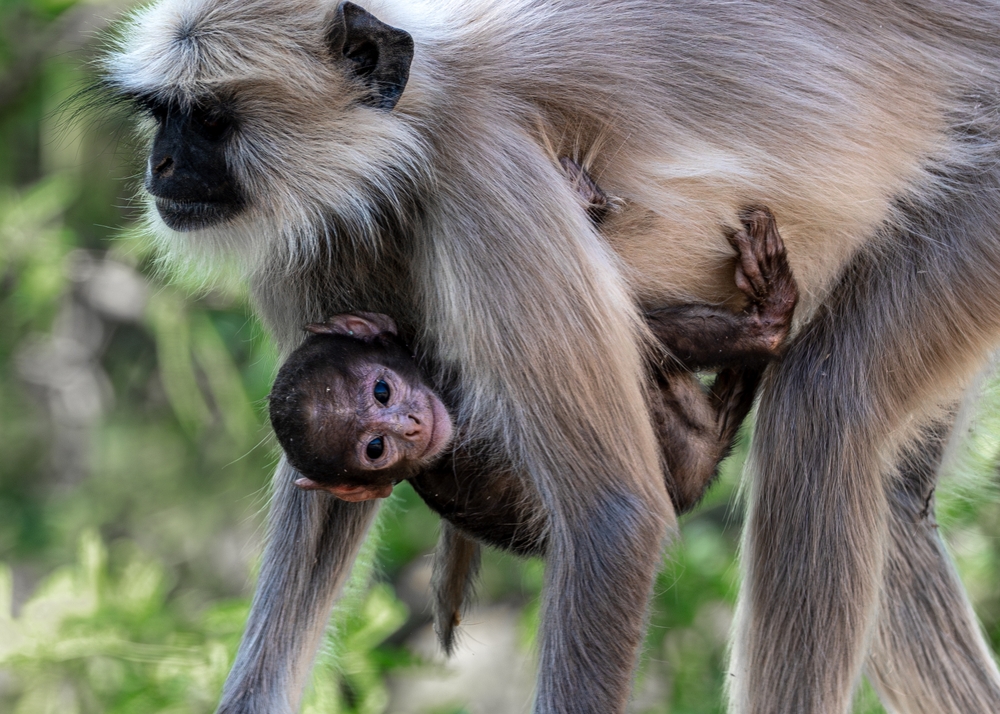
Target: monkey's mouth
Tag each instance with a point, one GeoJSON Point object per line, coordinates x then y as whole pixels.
{"type": "Point", "coordinates": [192, 215]}
{"type": "Point", "coordinates": [441, 429]}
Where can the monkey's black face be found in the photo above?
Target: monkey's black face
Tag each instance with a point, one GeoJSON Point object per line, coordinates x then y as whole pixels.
{"type": "Point", "coordinates": [196, 168]}
{"type": "Point", "coordinates": [187, 172]}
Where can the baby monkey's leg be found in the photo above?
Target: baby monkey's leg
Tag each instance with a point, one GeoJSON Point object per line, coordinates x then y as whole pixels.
{"type": "Point", "coordinates": [696, 430]}
{"type": "Point", "coordinates": [595, 200]}
{"type": "Point", "coordinates": [706, 337]}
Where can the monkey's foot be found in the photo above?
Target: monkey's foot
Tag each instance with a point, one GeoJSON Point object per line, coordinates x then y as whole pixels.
{"type": "Point", "coordinates": [764, 276]}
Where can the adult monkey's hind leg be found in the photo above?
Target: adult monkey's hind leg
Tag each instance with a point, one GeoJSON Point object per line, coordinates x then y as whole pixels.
{"type": "Point", "coordinates": [928, 655]}
{"type": "Point", "coordinates": [912, 319]}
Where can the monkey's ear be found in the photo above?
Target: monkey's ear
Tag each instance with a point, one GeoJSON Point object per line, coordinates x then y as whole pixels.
{"type": "Point", "coordinates": [375, 54]}
{"type": "Point", "coordinates": [362, 325]}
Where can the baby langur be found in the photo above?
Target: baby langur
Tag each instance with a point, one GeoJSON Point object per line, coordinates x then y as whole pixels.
{"type": "Point", "coordinates": [355, 415]}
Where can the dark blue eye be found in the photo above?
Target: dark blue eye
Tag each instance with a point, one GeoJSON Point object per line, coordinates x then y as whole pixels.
{"type": "Point", "coordinates": [375, 448]}
{"type": "Point", "coordinates": [381, 392]}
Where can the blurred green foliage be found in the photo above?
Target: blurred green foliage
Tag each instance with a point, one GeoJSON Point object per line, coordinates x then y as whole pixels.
{"type": "Point", "coordinates": [134, 453]}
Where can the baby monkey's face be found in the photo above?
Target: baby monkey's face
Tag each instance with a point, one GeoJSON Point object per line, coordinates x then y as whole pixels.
{"type": "Point", "coordinates": [399, 425]}
{"type": "Point", "coordinates": [352, 410]}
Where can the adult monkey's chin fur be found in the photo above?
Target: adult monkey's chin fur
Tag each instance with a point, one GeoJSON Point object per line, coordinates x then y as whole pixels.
{"type": "Point", "coordinates": [411, 157]}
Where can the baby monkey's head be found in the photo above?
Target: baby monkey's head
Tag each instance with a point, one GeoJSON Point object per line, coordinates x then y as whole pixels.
{"type": "Point", "coordinates": [352, 411]}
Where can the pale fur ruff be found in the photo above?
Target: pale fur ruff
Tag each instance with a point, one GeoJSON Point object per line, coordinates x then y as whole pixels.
{"type": "Point", "coordinates": [864, 126]}
{"type": "Point", "coordinates": [796, 118]}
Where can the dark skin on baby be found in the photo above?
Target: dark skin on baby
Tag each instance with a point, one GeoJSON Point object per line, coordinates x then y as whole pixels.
{"type": "Point", "coordinates": [355, 415]}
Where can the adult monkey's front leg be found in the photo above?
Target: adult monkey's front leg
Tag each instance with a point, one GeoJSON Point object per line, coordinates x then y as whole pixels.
{"type": "Point", "coordinates": [602, 558]}
{"type": "Point", "coordinates": [312, 542]}
{"type": "Point", "coordinates": [563, 368]}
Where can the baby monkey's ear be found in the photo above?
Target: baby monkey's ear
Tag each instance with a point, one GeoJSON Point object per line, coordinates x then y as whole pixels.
{"type": "Point", "coordinates": [361, 325]}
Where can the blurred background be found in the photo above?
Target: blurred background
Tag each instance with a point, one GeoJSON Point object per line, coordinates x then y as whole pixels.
{"type": "Point", "coordinates": [135, 457]}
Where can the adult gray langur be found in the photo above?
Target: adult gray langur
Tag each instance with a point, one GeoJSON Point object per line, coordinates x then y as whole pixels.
{"type": "Point", "coordinates": [401, 158]}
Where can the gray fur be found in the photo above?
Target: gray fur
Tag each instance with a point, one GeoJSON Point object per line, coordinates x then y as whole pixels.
{"type": "Point", "coordinates": [925, 621]}
{"type": "Point", "coordinates": [311, 545]}
{"type": "Point", "coordinates": [933, 279]}
{"type": "Point", "coordinates": [868, 127]}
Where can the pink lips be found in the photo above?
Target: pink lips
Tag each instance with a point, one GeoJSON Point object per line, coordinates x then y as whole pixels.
{"type": "Point", "coordinates": [441, 429]}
